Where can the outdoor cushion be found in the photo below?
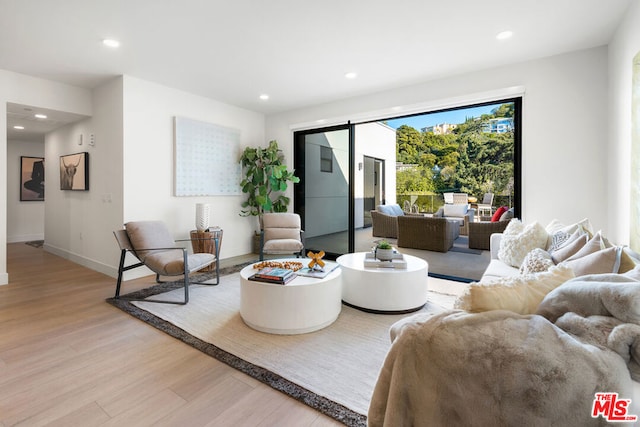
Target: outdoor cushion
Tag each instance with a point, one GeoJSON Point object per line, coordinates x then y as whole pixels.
{"type": "Point", "coordinates": [498, 214]}
{"type": "Point", "coordinates": [455, 210]}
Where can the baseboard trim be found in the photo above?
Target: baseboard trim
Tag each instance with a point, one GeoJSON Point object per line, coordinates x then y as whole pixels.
{"type": "Point", "coordinates": [82, 260]}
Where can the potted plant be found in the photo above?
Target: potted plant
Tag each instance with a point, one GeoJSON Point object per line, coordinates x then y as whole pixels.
{"type": "Point", "coordinates": [265, 180]}
{"type": "Point", "coordinates": [384, 251]}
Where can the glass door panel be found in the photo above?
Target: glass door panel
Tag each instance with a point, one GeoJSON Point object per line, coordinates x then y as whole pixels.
{"type": "Point", "coordinates": [323, 196]}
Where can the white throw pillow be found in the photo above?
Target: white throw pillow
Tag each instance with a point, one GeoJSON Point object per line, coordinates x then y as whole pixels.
{"type": "Point", "coordinates": [536, 261]}
{"type": "Point", "coordinates": [516, 244]}
{"type": "Point", "coordinates": [520, 294]}
{"type": "Point", "coordinates": [556, 227]}
{"type": "Point", "coordinates": [456, 210]}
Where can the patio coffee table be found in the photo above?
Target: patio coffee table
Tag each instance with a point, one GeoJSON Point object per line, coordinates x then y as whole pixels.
{"type": "Point", "coordinates": [383, 290]}
{"type": "Point", "coordinates": [305, 304]}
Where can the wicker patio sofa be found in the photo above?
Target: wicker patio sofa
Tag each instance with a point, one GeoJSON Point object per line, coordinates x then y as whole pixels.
{"type": "Point", "coordinates": [384, 220]}
{"type": "Point", "coordinates": [480, 233]}
{"type": "Point", "coordinates": [428, 233]}
{"type": "Point", "coordinates": [384, 225]}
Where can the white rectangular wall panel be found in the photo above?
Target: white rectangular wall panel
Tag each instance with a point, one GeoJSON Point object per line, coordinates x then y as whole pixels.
{"type": "Point", "coordinates": [206, 159]}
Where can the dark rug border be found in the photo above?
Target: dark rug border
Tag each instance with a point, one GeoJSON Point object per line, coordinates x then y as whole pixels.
{"type": "Point", "coordinates": [328, 407]}
{"type": "Point", "coordinates": [453, 278]}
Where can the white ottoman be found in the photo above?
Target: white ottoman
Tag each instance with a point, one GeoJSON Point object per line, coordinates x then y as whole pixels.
{"type": "Point", "coordinates": [383, 290]}
{"type": "Point", "coordinates": [303, 305]}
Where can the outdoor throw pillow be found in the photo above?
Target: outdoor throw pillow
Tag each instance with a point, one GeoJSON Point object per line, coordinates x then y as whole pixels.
{"type": "Point", "coordinates": [507, 215]}
{"type": "Point", "coordinates": [498, 214]}
{"type": "Point", "coordinates": [517, 242]}
{"type": "Point", "coordinates": [520, 294]}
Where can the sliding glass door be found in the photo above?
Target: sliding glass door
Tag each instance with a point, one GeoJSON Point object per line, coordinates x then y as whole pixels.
{"type": "Point", "coordinates": [323, 161]}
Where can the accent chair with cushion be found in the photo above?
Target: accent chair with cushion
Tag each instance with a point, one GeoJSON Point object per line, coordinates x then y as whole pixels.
{"type": "Point", "coordinates": [281, 234]}
{"type": "Point", "coordinates": [428, 233]}
{"type": "Point", "coordinates": [458, 212]}
{"type": "Point", "coordinates": [384, 220]}
{"type": "Point", "coordinates": [152, 244]}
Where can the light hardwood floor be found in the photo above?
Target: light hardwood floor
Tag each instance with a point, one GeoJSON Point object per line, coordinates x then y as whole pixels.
{"type": "Point", "coordinates": [68, 358]}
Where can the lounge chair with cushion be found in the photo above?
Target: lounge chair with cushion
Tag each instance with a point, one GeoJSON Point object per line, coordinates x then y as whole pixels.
{"type": "Point", "coordinates": [385, 220]}
{"type": "Point", "coordinates": [459, 212]}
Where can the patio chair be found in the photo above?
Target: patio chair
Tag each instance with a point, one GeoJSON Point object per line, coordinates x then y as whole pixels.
{"type": "Point", "coordinates": [384, 220]}
{"type": "Point", "coordinates": [460, 199]}
{"type": "Point", "coordinates": [486, 207]}
{"type": "Point", "coordinates": [480, 233]}
{"type": "Point", "coordinates": [448, 198]}
{"type": "Point", "coordinates": [151, 243]}
{"type": "Point", "coordinates": [281, 234]}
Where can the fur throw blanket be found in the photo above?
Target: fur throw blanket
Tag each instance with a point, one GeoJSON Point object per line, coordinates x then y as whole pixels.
{"type": "Point", "coordinates": [502, 368]}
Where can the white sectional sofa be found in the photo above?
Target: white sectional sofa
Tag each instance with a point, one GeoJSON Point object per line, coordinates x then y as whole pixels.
{"type": "Point", "coordinates": [498, 268]}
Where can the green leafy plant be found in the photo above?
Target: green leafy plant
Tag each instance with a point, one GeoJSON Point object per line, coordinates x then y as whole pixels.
{"type": "Point", "coordinates": [265, 180]}
{"type": "Point", "coordinates": [383, 244]}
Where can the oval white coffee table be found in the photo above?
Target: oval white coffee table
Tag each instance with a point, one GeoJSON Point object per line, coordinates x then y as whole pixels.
{"type": "Point", "coordinates": [305, 304]}
{"type": "Point", "coordinates": [383, 290]}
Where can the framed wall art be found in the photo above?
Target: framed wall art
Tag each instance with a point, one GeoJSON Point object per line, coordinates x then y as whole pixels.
{"type": "Point", "coordinates": [74, 172]}
{"type": "Point", "coordinates": [206, 159]}
{"type": "Point", "coordinates": [31, 179]}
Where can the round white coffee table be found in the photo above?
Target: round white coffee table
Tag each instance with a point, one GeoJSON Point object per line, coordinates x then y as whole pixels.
{"type": "Point", "coordinates": [303, 305]}
{"type": "Point", "coordinates": [383, 290]}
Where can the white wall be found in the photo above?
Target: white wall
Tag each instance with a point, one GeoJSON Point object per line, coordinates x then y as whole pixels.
{"type": "Point", "coordinates": [564, 128]}
{"type": "Point", "coordinates": [326, 194]}
{"type": "Point", "coordinates": [379, 141]}
{"type": "Point", "coordinates": [149, 111]}
{"type": "Point", "coordinates": [622, 49]}
{"type": "Point", "coordinates": [25, 219]}
{"type": "Point", "coordinates": [22, 89]}
{"type": "Point", "coordinates": [79, 224]}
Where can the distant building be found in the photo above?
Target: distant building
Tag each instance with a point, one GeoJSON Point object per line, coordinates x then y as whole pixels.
{"type": "Point", "coordinates": [440, 129]}
{"type": "Point", "coordinates": [499, 125]}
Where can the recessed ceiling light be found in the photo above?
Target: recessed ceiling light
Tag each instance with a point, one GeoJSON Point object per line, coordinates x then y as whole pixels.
{"type": "Point", "coordinates": [111, 42]}
{"type": "Point", "coordinates": [504, 35]}
{"type": "Point", "coordinates": [41, 116]}
{"type": "Point", "coordinates": [264, 96]}
{"type": "Point", "coordinates": [351, 75]}
{"type": "Point", "coordinates": [18, 127]}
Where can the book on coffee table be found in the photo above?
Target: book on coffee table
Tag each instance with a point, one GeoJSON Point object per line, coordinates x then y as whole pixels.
{"type": "Point", "coordinates": [274, 275]}
{"type": "Point", "coordinates": [310, 272]}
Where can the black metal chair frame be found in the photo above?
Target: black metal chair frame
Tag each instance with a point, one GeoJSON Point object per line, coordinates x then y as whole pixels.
{"type": "Point", "coordinates": [125, 246]}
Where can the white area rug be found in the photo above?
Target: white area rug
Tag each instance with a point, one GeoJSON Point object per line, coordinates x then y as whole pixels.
{"type": "Point", "coordinates": [340, 362]}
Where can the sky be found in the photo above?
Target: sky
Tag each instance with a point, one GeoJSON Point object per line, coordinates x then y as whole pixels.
{"type": "Point", "coordinates": [451, 117]}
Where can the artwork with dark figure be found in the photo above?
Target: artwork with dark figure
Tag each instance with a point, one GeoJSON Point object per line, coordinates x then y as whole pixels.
{"type": "Point", "coordinates": [36, 183]}
{"type": "Point", "coordinates": [67, 172]}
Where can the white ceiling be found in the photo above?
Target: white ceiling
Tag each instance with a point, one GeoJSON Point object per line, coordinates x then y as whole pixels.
{"type": "Point", "coordinates": [297, 51]}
